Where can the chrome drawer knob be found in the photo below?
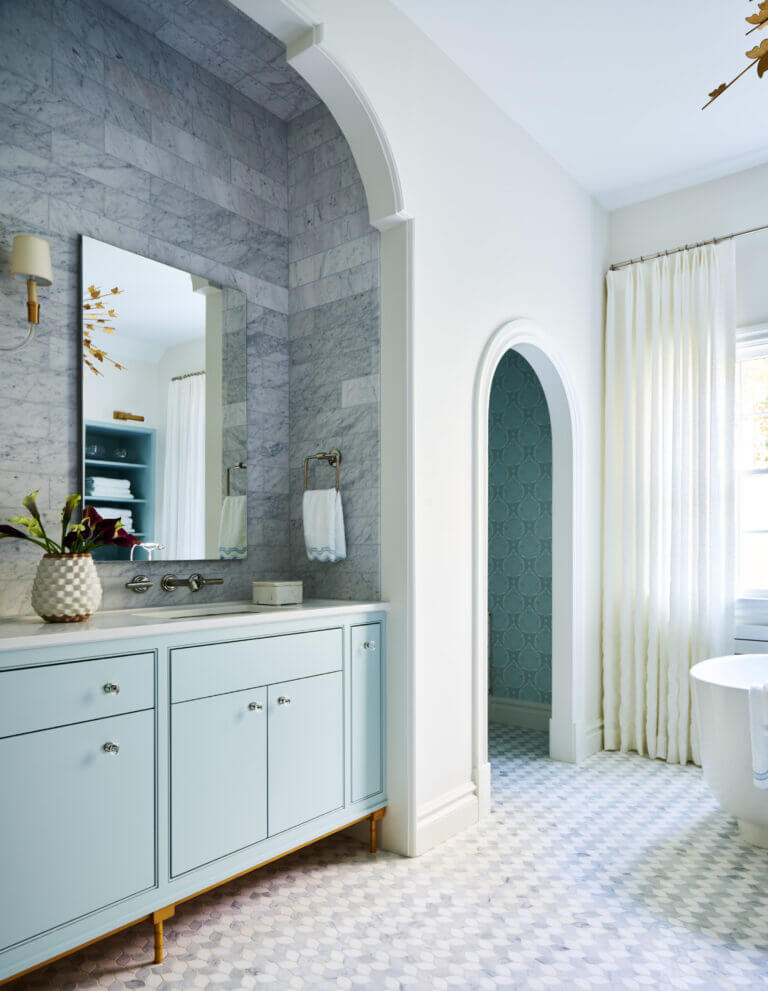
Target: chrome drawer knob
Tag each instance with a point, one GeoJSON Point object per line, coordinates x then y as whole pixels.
{"type": "Point", "coordinates": [284, 700]}
{"type": "Point", "coordinates": [111, 689]}
{"type": "Point", "coordinates": [255, 706]}
{"type": "Point", "coordinates": [369, 645]}
{"type": "Point", "coordinates": [111, 748]}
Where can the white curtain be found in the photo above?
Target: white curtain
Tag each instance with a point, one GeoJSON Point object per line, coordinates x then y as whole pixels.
{"type": "Point", "coordinates": [668, 538]}
{"type": "Point", "coordinates": [183, 513]}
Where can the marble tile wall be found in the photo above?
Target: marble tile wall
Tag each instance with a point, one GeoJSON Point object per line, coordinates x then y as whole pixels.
{"type": "Point", "coordinates": [109, 131]}
{"type": "Point", "coordinates": [334, 350]}
{"type": "Point", "coordinates": [182, 134]}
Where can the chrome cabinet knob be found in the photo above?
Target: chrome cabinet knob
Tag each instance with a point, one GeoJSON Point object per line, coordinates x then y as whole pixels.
{"type": "Point", "coordinates": [255, 706]}
{"type": "Point", "coordinates": [111, 748]}
{"type": "Point", "coordinates": [369, 645]}
{"type": "Point", "coordinates": [111, 689]}
{"type": "Point", "coordinates": [284, 700]}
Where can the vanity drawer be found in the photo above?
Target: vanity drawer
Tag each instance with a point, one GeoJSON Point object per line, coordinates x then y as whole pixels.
{"type": "Point", "coordinates": [197, 672]}
{"type": "Point", "coordinates": [74, 692]}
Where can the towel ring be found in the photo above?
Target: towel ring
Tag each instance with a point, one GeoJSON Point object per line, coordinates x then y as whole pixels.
{"type": "Point", "coordinates": [332, 457]}
{"type": "Point", "coordinates": [240, 464]}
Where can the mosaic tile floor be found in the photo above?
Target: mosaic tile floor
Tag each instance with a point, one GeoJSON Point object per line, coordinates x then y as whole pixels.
{"type": "Point", "coordinates": [619, 873]}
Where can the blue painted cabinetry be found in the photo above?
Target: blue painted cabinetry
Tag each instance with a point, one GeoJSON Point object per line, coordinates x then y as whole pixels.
{"type": "Point", "coordinates": [366, 675]}
{"type": "Point", "coordinates": [218, 777]}
{"type": "Point", "coordinates": [132, 779]}
{"type": "Point", "coordinates": [77, 821]}
{"type": "Point", "coordinates": [306, 750]}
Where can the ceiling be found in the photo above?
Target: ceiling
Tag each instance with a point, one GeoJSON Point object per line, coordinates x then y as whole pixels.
{"type": "Point", "coordinates": [156, 309]}
{"type": "Point", "coordinates": [613, 91]}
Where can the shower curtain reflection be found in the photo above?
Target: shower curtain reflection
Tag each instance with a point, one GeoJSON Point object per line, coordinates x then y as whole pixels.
{"type": "Point", "coordinates": [183, 513]}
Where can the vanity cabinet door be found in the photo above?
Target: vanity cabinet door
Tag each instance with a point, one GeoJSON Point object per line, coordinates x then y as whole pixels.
{"type": "Point", "coordinates": [218, 777]}
{"type": "Point", "coordinates": [366, 725]}
{"type": "Point", "coordinates": [77, 821]}
{"type": "Point", "coordinates": [306, 750]}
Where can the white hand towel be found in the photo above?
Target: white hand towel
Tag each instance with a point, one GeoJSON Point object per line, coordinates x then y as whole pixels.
{"type": "Point", "coordinates": [100, 481]}
{"type": "Point", "coordinates": [324, 526]}
{"type": "Point", "coordinates": [233, 539]}
{"type": "Point", "coordinates": [758, 731]}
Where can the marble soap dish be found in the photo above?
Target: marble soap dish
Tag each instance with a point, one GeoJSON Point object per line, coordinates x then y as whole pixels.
{"type": "Point", "coordinates": [278, 593]}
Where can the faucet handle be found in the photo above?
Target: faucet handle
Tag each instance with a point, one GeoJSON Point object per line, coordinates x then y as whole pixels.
{"type": "Point", "coordinates": [140, 583]}
{"type": "Point", "coordinates": [200, 581]}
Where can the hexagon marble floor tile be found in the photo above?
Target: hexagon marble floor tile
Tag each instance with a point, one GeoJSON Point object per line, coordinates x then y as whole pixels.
{"type": "Point", "coordinates": [619, 873]}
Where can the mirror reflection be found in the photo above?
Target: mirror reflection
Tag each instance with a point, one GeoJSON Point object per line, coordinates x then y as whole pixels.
{"type": "Point", "coordinates": [164, 417]}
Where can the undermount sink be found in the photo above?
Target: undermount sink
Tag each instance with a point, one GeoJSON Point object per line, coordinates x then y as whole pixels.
{"type": "Point", "coordinates": [200, 612]}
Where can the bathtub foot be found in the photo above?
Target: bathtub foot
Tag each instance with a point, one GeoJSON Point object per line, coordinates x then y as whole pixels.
{"type": "Point", "coordinates": [755, 833]}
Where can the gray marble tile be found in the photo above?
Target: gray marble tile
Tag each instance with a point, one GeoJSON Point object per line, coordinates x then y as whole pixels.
{"type": "Point", "coordinates": [145, 15]}
{"type": "Point", "coordinates": [19, 131]}
{"type": "Point", "coordinates": [144, 93]}
{"type": "Point", "coordinates": [260, 185]}
{"type": "Point", "coordinates": [39, 104]}
{"type": "Point", "coordinates": [100, 167]}
{"type": "Point", "coordinates": [205, 156]}
{"type": "Point", "coordinates": [18, 57]}
{"type": "Point", "coordinates": [339, 286]}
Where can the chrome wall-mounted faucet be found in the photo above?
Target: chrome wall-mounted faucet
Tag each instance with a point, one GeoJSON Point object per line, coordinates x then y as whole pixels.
{"type": "Point", "coordinates": [169, 583]}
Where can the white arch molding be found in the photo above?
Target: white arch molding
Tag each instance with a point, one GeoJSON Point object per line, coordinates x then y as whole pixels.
{"type": "Point", "coordinates": [567, 740]}
{"type": "Point", "coordinates": [309, 54]}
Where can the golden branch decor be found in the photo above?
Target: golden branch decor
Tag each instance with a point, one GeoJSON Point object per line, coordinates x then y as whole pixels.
{"type": "Point", "coordinates": [758, 55]}
{"type": "Point", "coordinates": [96, 316]}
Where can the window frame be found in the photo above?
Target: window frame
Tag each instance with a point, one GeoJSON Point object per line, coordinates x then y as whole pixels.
{"type": "Point", "coordinates": [751, 604]}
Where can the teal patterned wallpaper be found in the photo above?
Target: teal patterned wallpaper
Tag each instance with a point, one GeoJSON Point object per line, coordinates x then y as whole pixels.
{"type": "Point", "coordinates": [520, 534]}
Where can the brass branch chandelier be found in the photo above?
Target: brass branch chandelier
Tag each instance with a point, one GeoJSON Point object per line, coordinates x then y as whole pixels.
{"type": "Point", "coordinates": [758, 55]}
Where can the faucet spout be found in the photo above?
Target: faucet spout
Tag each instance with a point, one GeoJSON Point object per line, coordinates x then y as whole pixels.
{"type": "Point", "coordinates": [169, 583]}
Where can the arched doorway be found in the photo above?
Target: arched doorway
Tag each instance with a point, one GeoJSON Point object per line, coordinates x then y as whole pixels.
{"type": "Point", "coordinates": [566, 729]}
{"type": "Point", "coordinates": [309, 52]}
{"type": "Point", "coordinates": [519, 549]}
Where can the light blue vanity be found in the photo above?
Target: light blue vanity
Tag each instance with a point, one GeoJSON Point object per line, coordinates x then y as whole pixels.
{"type": "Point", "coordinates": [145, 758]}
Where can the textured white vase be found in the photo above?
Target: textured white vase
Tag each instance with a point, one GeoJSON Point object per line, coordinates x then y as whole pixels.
{"type": "Point", "coordinates": [67, 588]}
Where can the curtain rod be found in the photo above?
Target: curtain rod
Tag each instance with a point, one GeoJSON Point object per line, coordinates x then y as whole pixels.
{"type": "Point", "coordinates": [189, 375]}
{"type": "Point", "coordinates": [687, 247]}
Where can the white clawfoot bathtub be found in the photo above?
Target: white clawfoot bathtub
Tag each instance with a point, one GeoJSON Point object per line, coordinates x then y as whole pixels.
{"type": "Point", "coordinates": [720, 698]}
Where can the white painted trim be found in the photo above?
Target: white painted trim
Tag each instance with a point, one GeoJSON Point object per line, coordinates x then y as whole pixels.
{"type": "Point", "coordinates": [445, 816]}
{"type": "Point", "coordinates": [593, 739]}
{"type": "Point", "coordinates": [309, 51]}
{"type": "Point", "coordinates": [517, 712]}
{"type": "Point", "coordinates": [567, 734]}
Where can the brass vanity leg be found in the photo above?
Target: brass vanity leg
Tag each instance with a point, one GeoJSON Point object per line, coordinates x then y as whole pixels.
{"type": "Point", "coordinates": [158, 918]}
{"type": "Point", "coordinates": [375, 816]}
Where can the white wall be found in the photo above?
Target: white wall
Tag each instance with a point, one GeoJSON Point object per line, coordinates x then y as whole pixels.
{"type": "Point", "coordinates": [134, 390]}
{"type": "Point", "coordinates": [499, 232]}
{"type": "Point", "coordinates": [711, 209]}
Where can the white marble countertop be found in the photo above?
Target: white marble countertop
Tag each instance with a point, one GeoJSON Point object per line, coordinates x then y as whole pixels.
{"type": "Point", "coordinates": [23, 632]}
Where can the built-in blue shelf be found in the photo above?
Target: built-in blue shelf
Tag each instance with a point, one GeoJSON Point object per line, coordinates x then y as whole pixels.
{"type": "Point", "coordinates": [138, 468]}
{"type": "Point", "coordinates": [111, 464]}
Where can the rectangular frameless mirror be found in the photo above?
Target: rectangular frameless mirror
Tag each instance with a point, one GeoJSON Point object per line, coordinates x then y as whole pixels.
{"type": "Point", "coordinates": [163, 411]}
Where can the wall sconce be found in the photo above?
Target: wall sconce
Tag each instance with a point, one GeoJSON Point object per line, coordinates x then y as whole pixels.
{"type": "Point", "coordinates": [30, 263]}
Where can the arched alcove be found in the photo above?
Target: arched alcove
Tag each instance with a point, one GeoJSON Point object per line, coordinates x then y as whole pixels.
{"type": "Point", "coordinates": [566, 724]}
{"type": "Point", "coordinates": [310, 54]}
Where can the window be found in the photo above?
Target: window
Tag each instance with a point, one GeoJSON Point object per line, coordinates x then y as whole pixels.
{"type": "Point", "coordinates": [752, 464]}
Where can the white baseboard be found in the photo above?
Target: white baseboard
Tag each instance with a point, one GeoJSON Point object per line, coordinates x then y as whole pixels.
{"type": "Point", "coordinates": [593, 738]}
{"type": "Point", "coordinates": [516, 712]}
{"type": "Point", "coordinates": [445, 816]}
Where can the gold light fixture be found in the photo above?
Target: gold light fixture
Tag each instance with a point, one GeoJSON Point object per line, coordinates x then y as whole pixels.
{"type": "Point", "coordinates": [30, 263]}
{"type": "Point", "coordinates": [758, 55]}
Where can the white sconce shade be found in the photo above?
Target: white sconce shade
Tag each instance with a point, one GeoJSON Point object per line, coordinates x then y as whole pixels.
{"type": "Point", "coordinates": [31, 259]}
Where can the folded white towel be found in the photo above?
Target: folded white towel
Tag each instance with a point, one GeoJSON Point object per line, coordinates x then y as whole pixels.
{"type": "Point", "coordinates": [114, 513]}
{"type": "Point", "coordinates": [324, 526]}
{"type": "Point", "coordinates": [100, 481]}
{"type": "Point", "coordinates": [233, 537]}
{"type": "Point", "coordinates": [758, 731]}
